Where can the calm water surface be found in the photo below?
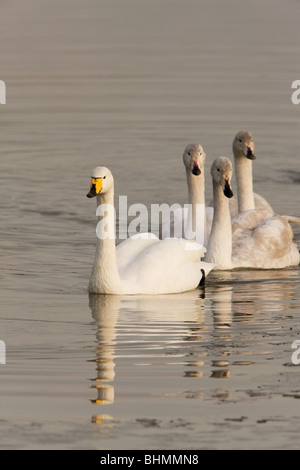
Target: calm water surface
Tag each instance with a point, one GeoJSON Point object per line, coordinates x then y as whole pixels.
{"type": "Point", "coordinates": [114, 83]}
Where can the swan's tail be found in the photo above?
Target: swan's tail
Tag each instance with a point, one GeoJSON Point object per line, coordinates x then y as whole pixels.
{"type": "Point", "coordinates": [291, 219]}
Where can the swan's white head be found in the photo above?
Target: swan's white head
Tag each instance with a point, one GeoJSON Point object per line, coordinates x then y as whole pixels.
{"type": "Point", "coordinates": [221, 172]}
{"type": "Point", "coordinates": [243, 145]}
{"type": "Point", "coordinates": [102, 181]}
{"type": "Point", "coordinates": [194, 158]}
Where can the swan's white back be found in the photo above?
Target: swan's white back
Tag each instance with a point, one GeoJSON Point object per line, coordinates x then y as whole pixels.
{"type": "Point", "coordinates": [161, 266]}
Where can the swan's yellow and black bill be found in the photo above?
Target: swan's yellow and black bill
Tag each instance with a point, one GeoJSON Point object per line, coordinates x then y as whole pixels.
{"type": "Point", "coordinates": [96, 187]}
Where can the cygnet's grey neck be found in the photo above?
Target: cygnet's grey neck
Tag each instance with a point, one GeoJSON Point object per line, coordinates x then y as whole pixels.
{"type": "Point", "coordinates": [219, 249]}
{"type": "Point", "coordinates": [195, 187]}
{"type": "Point", "coordinates": [196, 205]}
{"type": "Point", "coordinates": [243, 170]}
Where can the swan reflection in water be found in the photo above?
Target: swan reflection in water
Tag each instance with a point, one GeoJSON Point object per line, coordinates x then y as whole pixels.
{"type": "Point", "coordinates": [105, 310]}
{"type": "Point", "coordinates": [240, 301]}
{"type": "Point", "coordinates": [207, 332]}
{"type": "Point", "coordinates": [149, 321]}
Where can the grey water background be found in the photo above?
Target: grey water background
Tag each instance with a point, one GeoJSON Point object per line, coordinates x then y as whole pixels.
{"type": "Point", "coordinates": [127, 84]}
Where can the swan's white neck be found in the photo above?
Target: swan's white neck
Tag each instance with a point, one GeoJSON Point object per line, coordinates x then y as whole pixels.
{"type": "Point", "coordinates": [105, 275]}
{"type": "Point", "coordinates": [219, 249]}
{"type": "Point", "coordinates": [196, 204]}
{"type": "Point", "coordinates": [243, 170]}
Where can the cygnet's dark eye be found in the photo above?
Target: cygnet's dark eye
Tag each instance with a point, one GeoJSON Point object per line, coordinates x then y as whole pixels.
{"type": "Point", "coordinates": [240, 140]}
{"type": "Point", "coordinates": [218, 170]}
{"type": "Point", "coordinates": [189, 154]}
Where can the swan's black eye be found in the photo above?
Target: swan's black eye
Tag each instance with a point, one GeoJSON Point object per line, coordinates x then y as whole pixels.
{"type": "Point", "coordinates": [104, 177]}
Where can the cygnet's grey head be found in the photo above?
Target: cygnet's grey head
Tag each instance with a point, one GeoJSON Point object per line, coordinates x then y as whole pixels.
{"type": "Point", "coordinates": [243, 145]}
{"type": "Point", "coordinates": [194, 158]}
{"type": "Point", "coordinates": [221, 172]}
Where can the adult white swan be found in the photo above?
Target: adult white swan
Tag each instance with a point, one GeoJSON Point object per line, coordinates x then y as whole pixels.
{"type": "Point", "coordinates": [254, 239]}
{"type": "Point", "coordinates": [139, 265]}
{"type": "Point", "coordinates": [186, 221]}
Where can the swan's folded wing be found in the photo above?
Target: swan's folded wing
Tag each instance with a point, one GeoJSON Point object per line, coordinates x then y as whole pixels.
{"type": "Point", "coordinates": [249, 220]}
{"type": "Point", "coordinates": [130, 249]}
{"type": "Point", "coordinates": [168, 266]}
{"type": "Point", "coordinates": [263, 243]}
